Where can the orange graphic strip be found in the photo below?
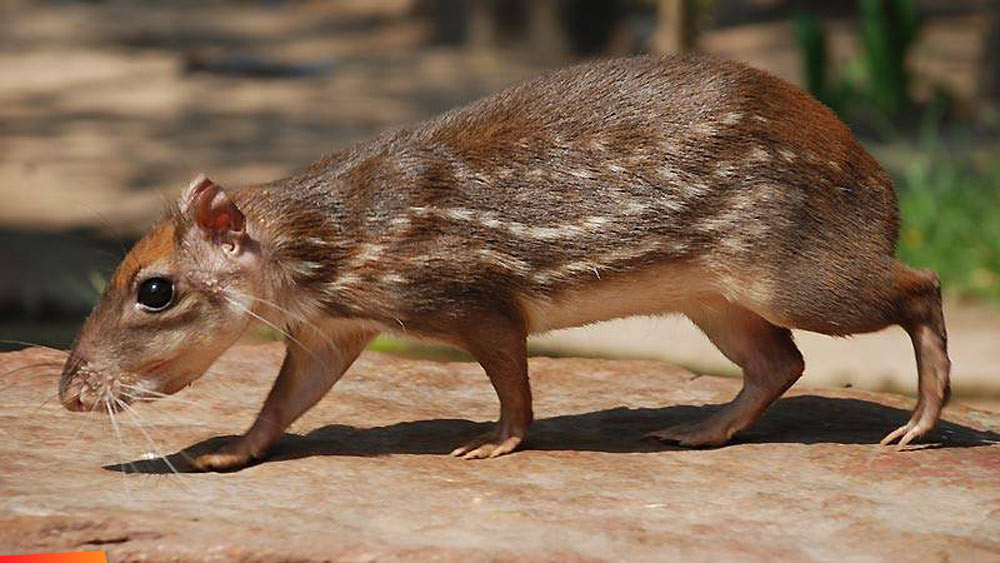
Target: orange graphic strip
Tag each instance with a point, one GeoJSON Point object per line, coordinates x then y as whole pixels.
{"type": "Point", "coordinates": [76, 557]}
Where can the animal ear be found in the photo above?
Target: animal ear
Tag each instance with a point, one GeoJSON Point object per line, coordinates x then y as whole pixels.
{"type": "Point", "coordinates": [213, 211]}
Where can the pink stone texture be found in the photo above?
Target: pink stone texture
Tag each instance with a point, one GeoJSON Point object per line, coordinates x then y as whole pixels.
{"type": "Point", "coordinates": [365, 476]}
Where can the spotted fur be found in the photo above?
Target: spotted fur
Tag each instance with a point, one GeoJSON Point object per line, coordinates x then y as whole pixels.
{"type": "Point", "coordinates": [617, 166]}
{"type": "Point", "coordinates": [631, 186]}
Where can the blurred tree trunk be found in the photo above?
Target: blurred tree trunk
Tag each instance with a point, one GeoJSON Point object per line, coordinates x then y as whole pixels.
{"type": "Point", "coordinates": [532, 25]}
{"type": "Point", "coordinates": [676, 27]}
{"type": "Point", "coordinates": [448, 19]}
{"type": "Point", "coordinates": [544, 28]}
{"type": "Point", "coordinates": [989, 79]}
{"type": "Point", "coordinates": [546, 33]}
{"type": "Point", "coordinates": [482, 30]}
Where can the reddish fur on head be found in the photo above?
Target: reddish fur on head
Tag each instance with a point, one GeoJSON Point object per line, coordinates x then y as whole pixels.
{"type": "Point", "coordinates": [127, 350]}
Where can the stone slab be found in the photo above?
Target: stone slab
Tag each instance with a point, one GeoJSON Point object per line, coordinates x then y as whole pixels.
{"type": "Point", "coordinates": [364, 475]}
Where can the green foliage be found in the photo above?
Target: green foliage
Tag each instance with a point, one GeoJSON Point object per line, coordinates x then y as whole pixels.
{"type": "Point", "coordinates": [949, 202]}
{"type": "Point", "coordinates": [878, 78]}
{"type": "Point", "coordinates": [418, 350]}
{"type": "Point", "coordinates": [888, 29]}
{"type": "Point", "coordinates": [813, 45]}
{"type": "Point", "coordinates": [950, 221]}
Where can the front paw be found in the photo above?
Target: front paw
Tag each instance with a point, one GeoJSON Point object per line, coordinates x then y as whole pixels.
{"type": "Point", "coordinates": [230, 457]}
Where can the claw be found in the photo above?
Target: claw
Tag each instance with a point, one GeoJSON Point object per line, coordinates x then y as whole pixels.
{"type": "Point", "coordinates": [489, 446]}
{"type": "Point", "coordinates": [895, 434]}
{"type": "Point", "coordinates": [907, 433]}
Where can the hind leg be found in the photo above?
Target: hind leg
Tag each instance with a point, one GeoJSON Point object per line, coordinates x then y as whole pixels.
{"type": "Point", "coordinates": [771, 364]}
{"type": "Point", "coordinates": [919, 312]}
{"type": "Point", "coordinates": [869, 299]}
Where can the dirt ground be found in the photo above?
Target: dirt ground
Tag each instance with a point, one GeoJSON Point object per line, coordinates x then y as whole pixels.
{"type": "Point", "coordinates": [104, 115]}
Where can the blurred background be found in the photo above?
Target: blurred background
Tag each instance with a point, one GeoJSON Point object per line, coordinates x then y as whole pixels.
{"type": "Point", "coordinates": [108, 108]}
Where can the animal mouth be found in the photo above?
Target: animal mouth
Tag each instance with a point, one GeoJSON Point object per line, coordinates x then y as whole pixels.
{"type": "Point", "coordinates": [87, 391]}
{"type": "Point", "coordinates": [83, 396]}
{"type": "Point", "coordinates": [74, 402]}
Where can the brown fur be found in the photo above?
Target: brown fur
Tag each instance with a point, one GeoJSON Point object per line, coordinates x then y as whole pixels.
{"type": "Point", "coordinates": [631, 186]}
{"type": "Point", "coordinates": [156, 244]}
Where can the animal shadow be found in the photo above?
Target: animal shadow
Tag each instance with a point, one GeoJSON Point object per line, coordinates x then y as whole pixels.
{"type": "Point", "coordinates": [803, 419]}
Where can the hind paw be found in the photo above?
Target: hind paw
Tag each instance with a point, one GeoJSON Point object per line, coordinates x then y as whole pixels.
{"type": "Point", "coordinates": [907, 433]}
{"type": "Point", "coordinates": [923, 421]}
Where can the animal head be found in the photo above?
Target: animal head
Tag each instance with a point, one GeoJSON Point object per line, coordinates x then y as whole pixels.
{"type": "Point", "coordinates": [181, 296]}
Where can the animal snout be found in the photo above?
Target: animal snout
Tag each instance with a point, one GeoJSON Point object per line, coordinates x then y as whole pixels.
{"type": "Point", "coordinates": [74, 402]}
{"type": "Point", "coordinates": [75, 393]}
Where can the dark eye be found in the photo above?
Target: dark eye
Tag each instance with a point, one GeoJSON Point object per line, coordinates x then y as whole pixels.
{"type": "Point", "coordinates": [155, 294]}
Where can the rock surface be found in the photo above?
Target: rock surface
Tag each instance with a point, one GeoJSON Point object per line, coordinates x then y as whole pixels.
{"type": "Point", "coordinates": [363, 475]}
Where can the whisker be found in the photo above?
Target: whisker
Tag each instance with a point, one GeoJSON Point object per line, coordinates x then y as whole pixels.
{"type": "Point", "coordinates": [23, 420]}
{"type": "Point", "coordinates": [135, 422]}
{"type": "Point", "coordinates": [298, 319]}
{"type": "Point", "coordinates": [149, 439]}
{"type": "Point", "coordinates": [281, 331]}
{"type": "Point", "coordinates": [169, 205]}
{"type": "Point", "coordinates": [7, 385]}
{"type": "Point", "coordinates": [38, 364]}
{"type": "Point", "coordinates": [107, 224]}
{"type": "Point", "coordinates": [156, 395]}
{"type": "Point", "coordinates": [171, 418]}
{"type": "Point", "coordinates": [84, 418]}
{"type": "Point", "coordinates": [45, 402]}
{"type": "Point", "coordinates": [121, 442]}
{"type": "Point", "coordinates": [88, 243]}
{"type": "Point", "coordinates": [288, 313]}
{"type": "Point", "coordinates": [35, 344]}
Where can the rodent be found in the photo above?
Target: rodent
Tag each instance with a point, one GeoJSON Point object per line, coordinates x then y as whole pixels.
{"type": "Point", "coordinates": [644, 185]}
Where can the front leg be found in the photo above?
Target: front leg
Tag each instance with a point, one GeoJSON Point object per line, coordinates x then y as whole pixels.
{"type": "Point", "coordinates": [315, 358]}
{"type": "Point", "coordinates": [499, 345]}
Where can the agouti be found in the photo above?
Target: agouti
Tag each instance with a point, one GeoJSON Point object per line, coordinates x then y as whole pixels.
{"type": "Point", "coordinates": [638, 186]}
